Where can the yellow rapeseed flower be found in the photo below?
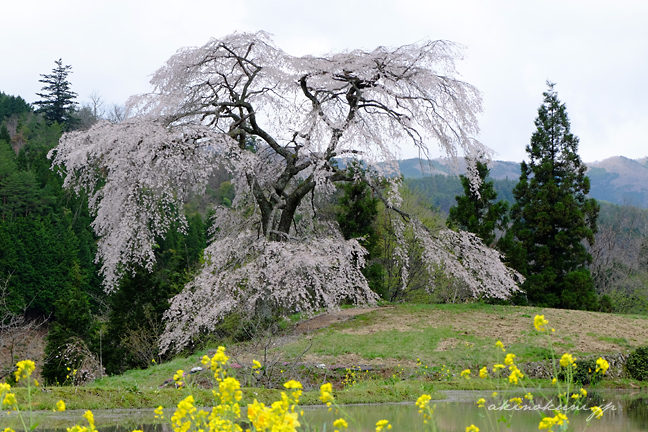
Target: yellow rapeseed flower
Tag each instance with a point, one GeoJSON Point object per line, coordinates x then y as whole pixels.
{"type": "Point", "coordinates": [567, 360]}
{"type": "Point", "coordinates": [561, 418]}
{"type": "Point", "coordinates": [90, 418]}
{"type": "Point", "coordinates": [553, 381]}
{"type": "Point", "coordinates": [382, 424]}
{"type": "Point", "coordinates": [292, 384]}
{"type": "Point", "coordinates": [516, 400]}
{"type": "Point", "coordinates": [528, 396]}
{"type": "Point", "coordinates": [483, 372]}
{"type": "Point", "coordinates": [25, 369]}
{"type": "Point", "coordinates": [472, 428]}
{"type": "Point", "coordinates": [498, 366]}
{"type": "Point", "coordinates": [515, 374]}
{"type": "Point", "coordinates": [326, 394]}
{"type": "Point", "coordinates": [499, 344]}
{"type": "Point", "coordinates": [602, 365]}
{"type": "Point", "coordinates": [159, 412]}
{"type": "Point", "coordinates": [423, 401]}
{"type": "Point", "coordinates": [546, 423]}
{"type": "Point", "coordinates": [510, 358]}
{"type": "Point", "coordinates": [340, 423]}
{"type": "Point", "coordinates": [539, 322]}
{"type": "Point", "coordinates": [481, 402]}
{"type": "Point", "coordinates": [229, 390]}
{"type": "Point", "coordinates": [9, 430]}
{"type": "Point", "coordinates": [465, 374]}
{"type": "Point", "coordinates": [60, 406]}
{"type": "Point", "coordinates": [597, 411]}
{"type": "Point", "coordinates": [9, 400]}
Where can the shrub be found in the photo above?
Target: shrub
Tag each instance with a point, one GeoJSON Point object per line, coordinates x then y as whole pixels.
{"type": "Point", "coordinates": [584, 373]}
{"type": "Point", "coordinates": [637, 364]}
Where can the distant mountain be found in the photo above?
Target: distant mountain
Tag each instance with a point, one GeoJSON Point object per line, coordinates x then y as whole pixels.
{"type": "Point", "coordinates": [618, 179]}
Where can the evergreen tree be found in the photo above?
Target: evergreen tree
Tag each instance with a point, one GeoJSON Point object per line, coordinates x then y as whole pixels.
{"type": "Point", "coordinates": [476, 211]}
{"type": "Point", "coordinates": [552, 215]}
{"type": "Point", "coordinates": [356, 213]}
{"type": "Point", "coordinates": [58, 103]}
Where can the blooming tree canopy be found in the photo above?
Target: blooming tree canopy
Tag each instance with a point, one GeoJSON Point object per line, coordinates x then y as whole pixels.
{"type": "Point", "coordinates": [279, 123]}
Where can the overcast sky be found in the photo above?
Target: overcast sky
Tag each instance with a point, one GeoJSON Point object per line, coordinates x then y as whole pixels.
{"type": "Point", "coordinates": [596, 52]}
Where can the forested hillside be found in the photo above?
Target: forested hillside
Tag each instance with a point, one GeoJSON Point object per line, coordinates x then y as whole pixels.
{"type": "Point", "coordinates": [47, 252]}
{"type": "Point", "coordinates": [617, 180]}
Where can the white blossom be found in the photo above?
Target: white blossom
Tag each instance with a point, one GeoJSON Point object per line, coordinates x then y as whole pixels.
{"type": "Point", "coordinates": [278, 123]}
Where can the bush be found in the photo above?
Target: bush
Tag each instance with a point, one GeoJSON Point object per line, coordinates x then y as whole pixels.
{"type": "Point", "coordinates": [584, 372]}
{"type": "Point", "coordinates": [637, 364]}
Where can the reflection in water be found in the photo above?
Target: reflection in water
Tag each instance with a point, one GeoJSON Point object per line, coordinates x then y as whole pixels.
{"type": "Point", "coordinates": [630, 415]}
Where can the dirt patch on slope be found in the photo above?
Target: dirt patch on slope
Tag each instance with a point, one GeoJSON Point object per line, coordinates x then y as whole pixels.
{"type": "Point", "coordinates": [328, 318]}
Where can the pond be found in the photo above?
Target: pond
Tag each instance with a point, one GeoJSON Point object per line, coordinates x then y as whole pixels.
{"type": "Point", "coordinates": [626, 412]}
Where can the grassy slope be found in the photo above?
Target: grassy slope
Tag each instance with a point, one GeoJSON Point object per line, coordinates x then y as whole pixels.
{"type": "Point", "coordinates": [446, 339]}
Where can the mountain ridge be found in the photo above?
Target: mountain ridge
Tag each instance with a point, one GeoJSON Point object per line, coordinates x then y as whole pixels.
{"type": "Point", "coordinates": [617, 179]}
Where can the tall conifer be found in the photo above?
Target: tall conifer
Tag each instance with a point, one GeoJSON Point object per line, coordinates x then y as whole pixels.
{"type": "Point", "coordinates": [58, 102]}
{"type": "Point", "coordinates": [552, 215]}
{"type": "Point", "coordinates": [476, 211]}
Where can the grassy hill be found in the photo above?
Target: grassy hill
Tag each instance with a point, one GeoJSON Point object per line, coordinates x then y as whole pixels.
{"type": "Point", "coordinates": [388, 354]}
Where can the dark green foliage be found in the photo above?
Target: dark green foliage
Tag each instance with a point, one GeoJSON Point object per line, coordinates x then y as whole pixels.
{"type": "Point", "coordinates": [552, 215]}
{"type": "Point", "coordinates": [4, 134]}
{"type": "Point", "coordinates": [38, 253]}
{"type": "Point", "coordinates": [57, 103]}
{"type": "Point", "coordinates": [136, 308]}
{"type": "Point", "coordinates": [357, 210]}
{"type": "Point", "coordinates": [584, 373]}
{"type": "Point", "coordinates": [73, 319]}
{"type": "Point", "coordinates": [605, 304]}
{"type": "Point", "coordinates": [478, 213]}
{"type": "Point", "coordinates": [12, 105]}
{"type": "Point", "coordinates": [637, 364]}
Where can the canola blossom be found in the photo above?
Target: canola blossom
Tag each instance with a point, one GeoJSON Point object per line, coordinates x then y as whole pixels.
{"type": "Point", "coordinates": [340, 424]}
{"type": "Point", "coordinates": [540, 322]}
{"type": "Point", "coordinates": [597, 411]}
{"type": "Point", "coordinates": [25, 369]}
{"type": "Point", "coordinates": [602, 365]}
{"type": "Point", "coordinates": [567, 360]}
{"type": "Point", "coordinates": [382, 424]}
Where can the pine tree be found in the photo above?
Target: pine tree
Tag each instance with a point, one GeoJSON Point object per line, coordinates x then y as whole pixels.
{"type": "Point", "coordinates": [58, 103]}
{"type": "Point", "coordinates": [357, 211]}
{"type": "Point", "coordinates": [477, 211]}
{"type": "Point", "coordinates": [552, 215]}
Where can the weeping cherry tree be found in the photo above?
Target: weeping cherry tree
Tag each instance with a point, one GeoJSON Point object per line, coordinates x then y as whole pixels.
{"type": "Point", "coordinates": [279, 123]}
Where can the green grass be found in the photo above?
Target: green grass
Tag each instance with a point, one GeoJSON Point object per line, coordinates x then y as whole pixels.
{"type": "Point", "coordinates": [420, 340]}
